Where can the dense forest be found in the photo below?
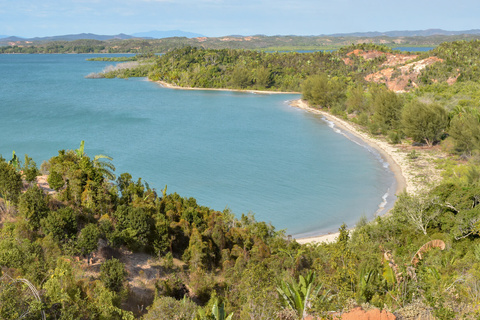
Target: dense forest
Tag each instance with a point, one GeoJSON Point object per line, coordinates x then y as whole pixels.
{"type": "Point", "coordinates": [75, 246]}
{"type": "Point", "coordinates": [246, 69]}
{"type": "Point", "coordinates": [103, 246]}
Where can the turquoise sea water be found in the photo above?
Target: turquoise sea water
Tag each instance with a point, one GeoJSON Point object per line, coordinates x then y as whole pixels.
{"type": "Point", "coordinates": [248, 152]}
{"type": "Point", "coordinates": [414, 49]}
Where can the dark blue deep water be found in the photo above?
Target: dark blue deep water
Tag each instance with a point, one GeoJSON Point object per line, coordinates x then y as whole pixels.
{"type": "Point", "coordinates": [248, 152]}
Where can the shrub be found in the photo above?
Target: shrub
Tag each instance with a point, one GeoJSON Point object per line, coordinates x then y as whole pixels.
{"type": "Point", "coordinates": [113, 274]}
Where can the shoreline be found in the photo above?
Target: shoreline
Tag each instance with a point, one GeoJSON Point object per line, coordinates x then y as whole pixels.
{"type": "Point", "coordinates": [172, 86]}
{"type": "Point", "coordinates": [398, 163]}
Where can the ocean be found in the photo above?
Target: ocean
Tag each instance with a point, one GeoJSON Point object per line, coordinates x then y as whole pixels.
{"type": "Point", "coordinates": [251, 153]}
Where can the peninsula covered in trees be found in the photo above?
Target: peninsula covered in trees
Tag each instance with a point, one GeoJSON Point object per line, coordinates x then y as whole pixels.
{"type": "Point", "coordinates": [101, 245]}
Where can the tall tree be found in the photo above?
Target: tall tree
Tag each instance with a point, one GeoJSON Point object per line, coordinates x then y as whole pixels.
{"type": "Point", "coordinates": [10, 183]}
{"type": "Point", "coordinates": [465, 129]}
{"type": "Point", "coordinates": [33, 206]}
{"type": "Point", "coordinates": [424, 122]}
{"type": "Point", "coordinates": [387, 108]}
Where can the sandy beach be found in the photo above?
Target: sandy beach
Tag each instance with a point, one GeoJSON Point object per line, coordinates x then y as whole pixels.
{"type": "Point", "coordinates": [405, 173]}
{"type": "Point", "coordinates": [398, 162]}
{"type": "Point", "coordinates": [171, 86]}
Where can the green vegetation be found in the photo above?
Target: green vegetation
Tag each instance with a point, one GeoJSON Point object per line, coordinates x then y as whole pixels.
{"type": "Point", "coordinates": [232, 268]}
{"type": "Point", "coordinates": [461, 60]}
{"type": "Point", "coordinates": [124, 59]}
{"type": "Point", "coordinates": [239, 69]}
{"type": "Point", "coordinates": [257, 43]}
{"type": "Point", "coordinates": [137, 66]}
{"type": "Point", "coordinates": [78, 249]}
{"type": "Point", "coordinates": [435, 112]}
{"type": "Point", "coordinates": [424, 122]}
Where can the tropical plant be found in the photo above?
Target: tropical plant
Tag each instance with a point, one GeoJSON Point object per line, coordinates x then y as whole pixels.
{"type": "Point", "coordinates": [19, 299]}
{"type": "Point", "coordinates": [14, 162]}
{"type": "Point", "coordinates": [168, 308]}
{"type": "Point", "coordinates": [10, 183]}
{"type": "Point", "coordinates": [80, 151]}
{"type": "Point", "coordinates": [104, 167]}
{"type": "Point", "coordinates": [218, 312]}
{"type": "Point", "coordinates": [297, 296]}
{"type": "Point", "coordinates": [30, 170]}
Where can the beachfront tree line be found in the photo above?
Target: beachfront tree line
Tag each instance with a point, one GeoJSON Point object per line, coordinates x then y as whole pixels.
{"type": "Point", "coordinates": [76, 248]}
{"type": "Point", "coordinates": [423, 116]}
{"type": "Point", "coordinates": [435, 112]}
{"type": "Point", "coordinates": [247, 69]}
{"type": "Point", "coordinates": [241, 69]}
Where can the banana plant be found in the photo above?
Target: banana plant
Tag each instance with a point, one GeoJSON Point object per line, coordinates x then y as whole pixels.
{"type": "Point", "coordinates": [15, 162]}
{"type": "Point", "coordinates": [218, 313]}
{"type": "Point", "coordinates": [80, 151]}
{"type": "Point", "coordinates": [297, 295]}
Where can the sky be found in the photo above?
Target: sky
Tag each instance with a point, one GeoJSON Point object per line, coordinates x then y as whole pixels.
{"type": "Point", "coordinates": [214, 18]}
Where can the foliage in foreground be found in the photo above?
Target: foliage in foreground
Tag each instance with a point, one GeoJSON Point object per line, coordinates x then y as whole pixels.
{"type": "Point", "coordinates": [240, 266]}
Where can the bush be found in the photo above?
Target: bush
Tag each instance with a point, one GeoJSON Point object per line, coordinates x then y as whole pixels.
{"type": "Point", "coordinates": [448, 145]}
{"type": "Point", "coordinates": [55, 180]}
{"type": "Point", "coordinates": [168, 308]}
{"type": "Point", "coordinates": [88, 239]}
{"type": "Point", "coordinates": [172, 286]}
{"type": "Point", "coordinates": [30, 169]}
{"type": "Point", "coordinates": [10, 182]}
{"type": "Point", "coordinates": [394, 137]}
{"type": "Point", "coordinates": [113, 274]}
{"type": "Point", "coordinates": [424, 122]}
{"type": "Point", "coordinates": [33, 206]}
{"type": "Point", "coordinates": [61, 224]}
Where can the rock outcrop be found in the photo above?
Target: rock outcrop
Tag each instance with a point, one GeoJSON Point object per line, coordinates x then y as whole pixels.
{"type": "Point", "coordinates": [403, 78]}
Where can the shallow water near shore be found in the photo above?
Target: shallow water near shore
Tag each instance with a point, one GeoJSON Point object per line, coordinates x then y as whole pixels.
{"type": "Point", "coordinates": [248, 152]}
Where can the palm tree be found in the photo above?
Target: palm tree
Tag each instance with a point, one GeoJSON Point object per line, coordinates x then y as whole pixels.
{"type": "Point", "coordinates": [105, 168]}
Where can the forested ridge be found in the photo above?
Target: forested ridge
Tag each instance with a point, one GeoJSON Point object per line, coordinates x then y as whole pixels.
{"type": "Point", "coordinates": [102, 245]}
{"type": "Point", "coordinates": [257, 42]}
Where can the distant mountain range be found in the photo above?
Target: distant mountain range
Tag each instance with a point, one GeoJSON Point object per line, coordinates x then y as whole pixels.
{"type": "Point", "coordinates": [178, 33]}
{"type": "Point", "coordinates": [91, 36]}
{"type": "Point", "coordinates": [70, 37]}
{"type": "Point", "coordinates": [166, 34]}
{"type": "Point", "coordinates": [405, 33]}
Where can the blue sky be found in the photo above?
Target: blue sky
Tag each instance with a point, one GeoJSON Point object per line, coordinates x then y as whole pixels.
{"type": "Point", "coordinates": [29, 18]}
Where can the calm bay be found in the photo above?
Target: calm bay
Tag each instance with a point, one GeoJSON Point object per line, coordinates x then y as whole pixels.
{"type": "Point", "coordinates": [248, 152]}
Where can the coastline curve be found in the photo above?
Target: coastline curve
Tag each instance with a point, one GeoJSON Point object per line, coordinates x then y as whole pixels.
{"type": "Point", "coordinates": [397, 163]}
